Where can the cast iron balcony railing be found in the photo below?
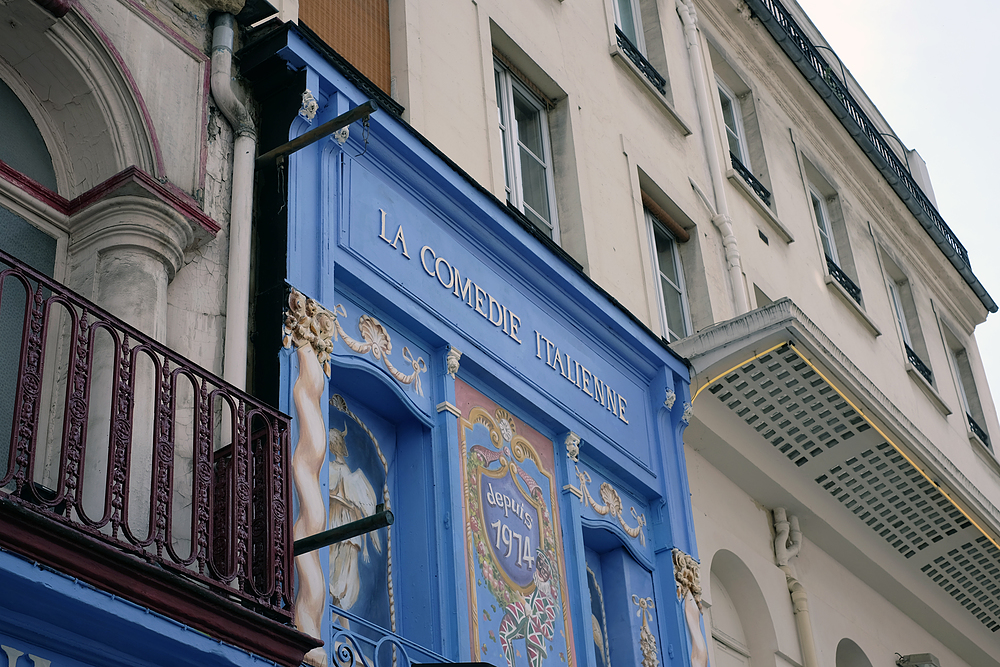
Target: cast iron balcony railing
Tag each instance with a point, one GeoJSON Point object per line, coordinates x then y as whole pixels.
{"type": "Point", "coordinates": [843, 279]}
{"type": "Point", "coordinates": [793, 41]}
{"type": "Point", "coordinates": [977, 430]}
{"type": "Point", "coordinates": [747, 175]}
{"type": "Point", "coordinates": [368, 645]}
{"type": "Point", "coordinates": [918, 363]}
{"type": "Point", "coordinates": [122, 447]}
{"type": "Point", "coordinates": [635, 55]}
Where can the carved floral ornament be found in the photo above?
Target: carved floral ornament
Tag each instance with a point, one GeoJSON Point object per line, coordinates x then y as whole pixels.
{"type": "Point", "coordinates": [647, 642]}
{"type": "Point", "coordinates": [573, 446]}
{"type": "Point", "coordinates": [612, 504]}
{"type": "Point", "coordinates": [308, 323]}
{"type": "Point", "coordinates": [687, 576]}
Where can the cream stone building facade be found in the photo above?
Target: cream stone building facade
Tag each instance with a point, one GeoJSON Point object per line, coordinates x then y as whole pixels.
{"type": "Point", "coordinates": [813, 254]}
{"type": "Point", "coordinates": [708, 163]}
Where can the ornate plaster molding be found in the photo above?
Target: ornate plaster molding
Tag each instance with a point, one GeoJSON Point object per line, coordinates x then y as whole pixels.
{"type": "Point", "coordinates": [308, 323]}
{"type": "Point", "coordinates": [573, 446]}
{"type": "Point", "coordinates": [647, 642]}
{"type": "Point", "coordinates": [670, 399]}
{"type": "Point", "coordinates": [454, 354]}
{"type": "Point", "coordinates": [378, 342]}
{"type": "Point", "coordinates": [612, 504]}
{"type": "Point", "coordinates": [687, 575]}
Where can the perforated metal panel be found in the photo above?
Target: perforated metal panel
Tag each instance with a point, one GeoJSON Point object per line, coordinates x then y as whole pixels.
{"type": "Point", "coordinates": [802, 416]}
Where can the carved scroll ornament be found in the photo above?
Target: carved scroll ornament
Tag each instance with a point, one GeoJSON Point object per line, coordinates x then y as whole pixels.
{"type": "Point", "coordinates": [612, 504]}
{"type": "Point", "coordinates": [308, 323]}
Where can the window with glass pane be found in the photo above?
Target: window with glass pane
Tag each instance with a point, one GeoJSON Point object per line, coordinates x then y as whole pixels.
{"type": "Point", "coordinates": [671, 278]}
{"type": "Point", "coordinates": [823, 222]}
{"type": "Point", "coordinates": [897, 307]}
{"type": "Point", "coordinates": [526, 151]}
{"type": "Point", "coordinates": [733, 118]}
{"type": "Point", "coordinates": [629, 21]}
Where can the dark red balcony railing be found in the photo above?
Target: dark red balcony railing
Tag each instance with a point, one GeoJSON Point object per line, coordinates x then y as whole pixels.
{"type": "Point", "coordinates": [117, 441]}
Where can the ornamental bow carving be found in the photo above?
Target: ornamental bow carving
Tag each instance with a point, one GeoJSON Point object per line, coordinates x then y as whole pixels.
{"type": "Point", "coordinates": [308, 322]}
{"type": "Point", "coordinates": [647, 642]}
{"type": "Point", "coordinates": [612, 504]}
{"type": "Point", "coordinates": [686, 573]}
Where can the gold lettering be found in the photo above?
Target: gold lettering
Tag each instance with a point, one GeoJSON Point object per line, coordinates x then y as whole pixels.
{"type": "Point", "coordinates": [480, 294]}
{"type": "Point", "coordinates": [548, 351]}
{"type": "Point", "coordinates": [494, 302]}
{"type": "Point", "coordinates": [622, 404]}
{"type": "Point", "coordinates": [515, 322]}
{"type": "Point", "coordinates": [599, 388]}
{"type": "Point", "coordinates": [578, 367]}
{"type": "Point", "coordinates": [463, 293]}
{"type": "Point", "coordinates": [437, 272]}
{"type": "Point", "coordinates": [423, 259]}
{"type": "Point", "coordinates": [538, 344]}
{"type": "Point", "coordinates": [381, 234]}
{"type": "Point", "coordinates": [559, 362]}
{"type": "Point", "coordinates": [399, 237]}
{"type": "Point", "coordinates": [586, 381]}
{"type": "Point", "coordinates": [612, 399]}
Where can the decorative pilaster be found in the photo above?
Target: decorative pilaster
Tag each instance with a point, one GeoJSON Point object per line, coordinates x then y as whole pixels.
{"type": "Point", "coordinates": [310, 328]}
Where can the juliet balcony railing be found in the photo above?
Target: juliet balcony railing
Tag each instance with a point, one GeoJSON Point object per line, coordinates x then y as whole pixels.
{"type": "Point", "coordinates": [639, 60]}
{"type": "Point", "coordinates": [112, 444]}
{"type": "Point", "coordinates": [797, 46]}
{"type": "Point", "coordinates": [978, 430]}
{"type": "Point", "coordinates": [751, 180]}
{"type": "Point", "coordinates": [843, 280]}
{"type": "Point", "coordinates": [918, 364]}
{"type": "Point", "coordinates": [366, 644]}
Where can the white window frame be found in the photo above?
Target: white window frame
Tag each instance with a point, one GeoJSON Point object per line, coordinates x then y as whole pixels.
{"type": "Point", "coordinates": [506, 84]}
{"type": "Point", "coordinates": [726, 95]}
{"type": "Point", "coordinates": [654, 225]}
{"type": "Point", "coordinates": [823, 223]}
{"type": "Point", "coordinates": [897, 307]}
{"type": "Point", "coordinates": [633, 5]}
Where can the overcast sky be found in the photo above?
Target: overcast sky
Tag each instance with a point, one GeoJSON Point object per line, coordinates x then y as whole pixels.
{"type": "Point", "coordinates": [930, 68]}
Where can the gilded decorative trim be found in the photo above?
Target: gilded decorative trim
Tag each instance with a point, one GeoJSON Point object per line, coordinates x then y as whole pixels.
{"type": "Point", "coordinates": [309, 323]}
{"type": "Point", "coordinates": [647, 642]}
{"type": "Point", "coordinates": [378, 342]}
{"type": "Point", "coordinates": [612, 504]}
{"type": "Point", "coordinates": [687, 576]}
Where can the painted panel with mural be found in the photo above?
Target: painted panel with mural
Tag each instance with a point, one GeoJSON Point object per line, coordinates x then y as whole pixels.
{"type": "Point", "coordinates": [518, 603]}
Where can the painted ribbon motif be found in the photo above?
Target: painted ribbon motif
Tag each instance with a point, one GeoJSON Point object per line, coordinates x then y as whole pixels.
{"type": "Point", "coordinates": [378, 342]}
{"type": "Point", "coordinates": [647, 642]}
{"type": "Point", "coordinates": [612, 504]}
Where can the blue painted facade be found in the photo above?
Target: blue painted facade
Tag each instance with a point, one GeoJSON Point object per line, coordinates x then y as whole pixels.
{"type": "Point", "coordinates": [401, 247]}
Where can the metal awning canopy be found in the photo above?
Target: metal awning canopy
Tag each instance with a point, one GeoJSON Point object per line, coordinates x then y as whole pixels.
{"type": "Point", "coordinates": [774, 387]}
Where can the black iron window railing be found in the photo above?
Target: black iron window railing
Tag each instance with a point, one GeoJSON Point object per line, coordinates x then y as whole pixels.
{"type": "Point", "coordinates": [977, 430]}
{"type": "Point", "coordinates": [635, 55]}
{"type": "Point", "coordinates": [817, 70]}
{"type": "Point", "coordinates": [918, 363]}
{"type": "Point", "coordinates": [747, 175]}
{"type": "Point", "coordinates": [843, 279]}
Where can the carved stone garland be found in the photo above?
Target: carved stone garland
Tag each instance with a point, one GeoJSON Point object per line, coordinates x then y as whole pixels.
{"type": "Point", "coordinates": [647, 642]}
{"type": "Point", "coordinates": [612, 504]}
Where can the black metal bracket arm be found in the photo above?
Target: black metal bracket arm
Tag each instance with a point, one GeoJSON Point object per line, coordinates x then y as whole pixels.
{"type": "Point", "coordinates": [380, 519]}
{"type": "Point", "coordinates": [312, 136]}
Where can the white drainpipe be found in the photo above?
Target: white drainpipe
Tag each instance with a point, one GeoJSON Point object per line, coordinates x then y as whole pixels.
{"type": "Point", "coordinates": [245, 149]}
{"type": "Point", "coordinates": [787, 542]}
{"type": "Point", "coordinates": [721, 219]}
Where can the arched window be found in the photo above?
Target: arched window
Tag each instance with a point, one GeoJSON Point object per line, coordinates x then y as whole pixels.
{"type": "Point", "coordinates": [741, 627]}
{"type": "Point", "coordinates": [850, 654]}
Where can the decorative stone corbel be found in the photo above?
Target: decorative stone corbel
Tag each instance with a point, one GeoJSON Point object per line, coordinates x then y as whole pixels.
{"type": "Point", "coordinates": [688, 412]}
{"type": "Point", "coordinates": [309, 106]}
{"type": "Point", "coordinates": [670, 399]}
{"type": "Point", "coordinates": [573, 446]}
{"type": "Point", "coordinates": [454, 354]}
